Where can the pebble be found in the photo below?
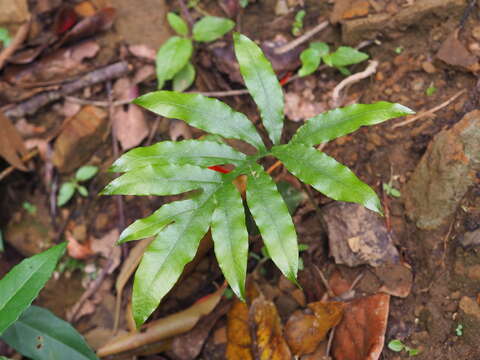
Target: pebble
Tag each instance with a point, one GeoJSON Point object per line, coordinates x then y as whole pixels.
{"type": "Point", "coordinates": [476, 32]}
{"type": "Point", "coordinates": [470, 307]}
{"type": "Point", "coordinates": [428, 67]}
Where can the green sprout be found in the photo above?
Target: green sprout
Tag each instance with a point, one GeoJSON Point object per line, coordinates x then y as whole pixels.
{"type": "Point", "coordinates": [67, 190]}
{"type": "Point", "coordinates": [297, 25]}
{"type": "Point", "coordinates": [398, 346]}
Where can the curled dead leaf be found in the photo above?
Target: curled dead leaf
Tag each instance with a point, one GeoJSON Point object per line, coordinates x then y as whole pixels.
{"type": "Point", "coordinates": [304, 332]}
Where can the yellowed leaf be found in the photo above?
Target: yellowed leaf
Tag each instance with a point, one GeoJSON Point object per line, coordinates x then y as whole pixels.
{"type": "Point", "coordinates": [268, 332]}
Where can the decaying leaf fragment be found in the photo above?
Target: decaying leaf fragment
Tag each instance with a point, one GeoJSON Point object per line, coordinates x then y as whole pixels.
{"type": "Point", "coordinates": [361, 334]}
{"type": "Point", "coordinates": [238, 334]}
{"type": "Point", "coordinates": [268, 331]}
{"type": "Point", "coordinates": [11, 144]}
{"type": "Point", "coordinates": [304, 332]}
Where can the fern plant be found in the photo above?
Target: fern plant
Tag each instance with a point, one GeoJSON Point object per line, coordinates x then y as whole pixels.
{"type": "Point", "coordinates": [168, 168]}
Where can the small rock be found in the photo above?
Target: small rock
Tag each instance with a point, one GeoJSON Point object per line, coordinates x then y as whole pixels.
{"type": "Point", "coordinates": [471, 238]}
{"type": "Point", "coordinates": [470, 307]}
{"type": "Point", "coordinates": [417, 84]}
{"type": "Point", "coordinates": [455, 295]}
{"type": "Point", "coordinates": [428, 67]}
{"type": "Point", "coordinates": [473, 272]}
{"type": "Point", "coordinates": [80, 138]}
{"type": "Point", "coordinates": [444, 174]}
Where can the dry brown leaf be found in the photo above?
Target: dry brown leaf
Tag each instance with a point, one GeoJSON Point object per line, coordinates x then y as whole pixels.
{"type": "Point", "coordinates": [143, 51]}
{"type": "Point", "coordinates": [189, 345]}
{"type": "Point", "coordinates": [11, 143]}
{"type": "Point", "coordinates": [128, 267]}
{"type": "Point", "coordinates": [361, 333]}
{"type": "Point", "coordinates": [58, 66]}
{"type": "Point", "coordinates": [80, 137]}
{"type": "Point", "coordinates": [75, 249]}
{"type": "Point", "coordinates": [397, 279]}
{"type": "Point", "coordinates": [267, 328]}
{"type": "Point", "coordinates": [454, 53]}
{"type": "Point", "coordinates": [164, 328]}
{"type": "Point", "coordinates": [304, 332]}
{"type": "Point", "coordinates": [106, 247]}
{"type": "Point", "coordinates": [89, 26]}
{"type": "Point", "coordinates": [130, 126]}
{"type": "Point", "coordinates": [179, 130]}
{"type": "Point", "coordinates": [358, 236]}
{"type": "Point", "coordinates": [238, 333]}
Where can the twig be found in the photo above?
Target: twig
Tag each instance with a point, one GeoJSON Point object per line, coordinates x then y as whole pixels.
{"type": "Point", "coordinates": [119, 199]}
{"type": "Point", "coordinates": [429, 112]}
{"type": "Point", "coordinates": [330, 292]}
{"type": "Point", "coordinates": [300, 40]}
{"type": "Point", "coordinates": [10, 169]}
{"type": "Point", "coordinates": [185, 12]}
{"type": "Point", "coordinates": [352, 79]}
{"type": "Point", "coordinates": [92, 289]}
{"type": "Point", "coordinates": [96, 102]}
{"type": "Point", "coordinates": [33, 104]}
{"type": "Point", "coordinates": [18, 40]}
{"type": "Point", "coordinates": [445, 242]}
{"type": "Point", "coordinates": [330, 341]}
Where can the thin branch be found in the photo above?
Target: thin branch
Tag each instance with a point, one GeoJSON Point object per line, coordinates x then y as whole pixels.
{"type": "Point", "coordinates": [18, 40]}
{"type": "Point", "coordinates": [300, 40]}
{"type": "Point", "coordinates": [429, 112]}
{"type": "Point", "coordinates": [10, 169]}
{"type": "Point", "coordinates": [32, 105]}
{"type": "Point", "coordinates": [352, 79]}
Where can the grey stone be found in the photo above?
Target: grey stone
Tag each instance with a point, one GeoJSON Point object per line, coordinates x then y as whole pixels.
{"type": "Point", "coordinates": [445, 172]}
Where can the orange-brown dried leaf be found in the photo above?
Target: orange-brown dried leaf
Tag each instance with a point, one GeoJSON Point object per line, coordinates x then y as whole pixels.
{"type": "Point", "coordinates": [328, 312]}
{"type": "Point", "coordinates": [361, 333]}
{"type": "Point", "coordinates": [238, 333]}
{"type": "Point", "coordinates": [268, 333]}
{"type": "Point", "coordinates": [11, 143]}
{"type": "Point", "coordinates": [304, 332]}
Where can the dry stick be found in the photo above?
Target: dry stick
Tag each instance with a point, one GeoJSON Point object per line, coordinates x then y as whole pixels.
{"type": "Point", "coordinates": [300, 40]}
{"type": "Point", "coordinates": [92, 289]}
{"type": "Point", "coordinates": [18, 40]}
{"type": "Point", "coordinates": [33, 104]}
{"type": "Point", "coordinates": [352, 79]}
{"type": "Point", "coordinates": [99, 103]}
{"type": "Point", "coordinates": [431, 111]}
{"type": "Point", "coordinates": [10, 169]}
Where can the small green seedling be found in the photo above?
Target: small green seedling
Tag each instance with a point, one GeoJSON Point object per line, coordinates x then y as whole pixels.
{"type": "Point", "coordinates": [5, 37]}
{"type": "Point", "coordinates": [67, 190]}
{"type": "Point", "coordinates": [211, 200]}
{"type": "Point", "coordinates": [29, 207]}
{"type": "Point", "coordinates": [431, 90]}
{"type": "Point", "coordinates": [344, 56]}
{"type": "Point", "coordinates": [459, 330]}
{"type": "Point", "coordinates": [399, 346]}
{"type": "Point", "coordinates": [173, 58]}
{"type": "Point", "coordinates": [399, 50]}
{"type": "Point", "coordinates": [297, 25]}
{"type": "Point", "coordinates": [390, 190]}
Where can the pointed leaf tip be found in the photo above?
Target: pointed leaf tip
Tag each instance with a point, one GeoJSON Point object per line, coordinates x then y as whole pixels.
{"type": "Point", "coordinates": [262, 83]}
